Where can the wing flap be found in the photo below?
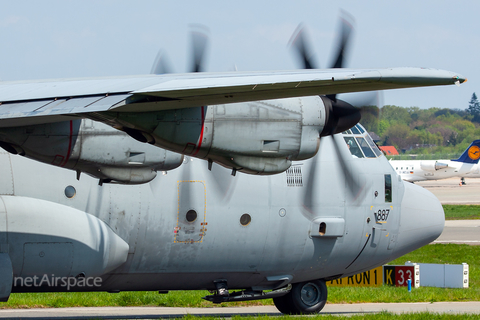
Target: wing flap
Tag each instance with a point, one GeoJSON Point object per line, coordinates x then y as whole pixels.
{"type": "Point", "coordinates": [36, 110]}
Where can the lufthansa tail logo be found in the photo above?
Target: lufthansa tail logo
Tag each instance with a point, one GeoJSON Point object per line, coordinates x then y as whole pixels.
{"type": "Point", "coordinates": [474, 152]}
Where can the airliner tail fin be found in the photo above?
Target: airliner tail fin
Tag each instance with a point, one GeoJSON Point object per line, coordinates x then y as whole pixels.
{"type": "Point", "coordinates": [471, 154]}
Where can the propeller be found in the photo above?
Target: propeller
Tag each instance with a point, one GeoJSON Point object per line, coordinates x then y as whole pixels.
{"type": "Point", "coordinates": [355, 184]}
{"type": "Point", "coordinates": [199, 44]}
{"type": "Point", "coordinates": [199, 40]}
{"type": "Point", "coordinates": [346, 29]}
{"type": "Point", "coordinates": [341, 115]}
{"type": "Point", "coordinates": [369, 104]}
{"type": "Point", "coordinates": [299, 42]}
{"type": "Point", "coordinates": [352, 180]}
{"type": "Point", "coordinates": [310, 192]}
{"type": "Point", "coordinates": [160, 64]}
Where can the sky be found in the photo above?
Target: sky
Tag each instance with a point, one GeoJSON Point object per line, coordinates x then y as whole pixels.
{"type": "Point", "coordinates": [68, 39]}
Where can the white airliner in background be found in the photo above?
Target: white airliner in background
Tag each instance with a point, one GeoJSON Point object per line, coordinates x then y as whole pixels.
{"type": "Point", "coordinates": [421, 170]}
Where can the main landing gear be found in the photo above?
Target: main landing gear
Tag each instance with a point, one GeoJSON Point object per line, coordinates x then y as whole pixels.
{"type": "Point", "coordinates": [304, 298]}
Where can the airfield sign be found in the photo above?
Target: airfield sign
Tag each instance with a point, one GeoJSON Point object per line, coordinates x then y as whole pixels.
{"type": "Point", "coordinates": [370, 278]}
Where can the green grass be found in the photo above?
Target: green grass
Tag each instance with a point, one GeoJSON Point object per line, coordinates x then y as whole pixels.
{"type": "Point", "coordinates": [461, 212]}
{"type": "Point", "coordinates": [186, 299]}
{"type": "Point", "coordinates": [435, 253]}
{"type": "Point", "coordinates": [100, 299]}
{"type": "Point", "coordinates": [369, 316]}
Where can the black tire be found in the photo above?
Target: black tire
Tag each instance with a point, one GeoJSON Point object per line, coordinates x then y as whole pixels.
{"type": "Point", "coordinates": [304, 298]}
{"type": "Point", "coordinates": [284, 303]}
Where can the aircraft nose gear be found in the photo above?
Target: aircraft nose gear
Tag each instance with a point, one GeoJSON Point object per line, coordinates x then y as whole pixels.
{"type": "Point", "coordinates": [304, 298]}
{"type": "Point", "coordinates": [222, 294]}
{"type": "Point", "coordinates": [222, 288]}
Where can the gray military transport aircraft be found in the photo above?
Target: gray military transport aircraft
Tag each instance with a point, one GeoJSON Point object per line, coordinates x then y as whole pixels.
{"type": "Point", "coordinates": [306, 209]}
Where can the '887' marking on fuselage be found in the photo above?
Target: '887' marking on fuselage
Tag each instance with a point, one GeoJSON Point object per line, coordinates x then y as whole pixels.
{"type": "Point", "coordinates": [381, 215]}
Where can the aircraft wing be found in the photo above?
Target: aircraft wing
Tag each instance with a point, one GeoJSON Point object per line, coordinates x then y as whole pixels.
{"type": "Point", "coordinates": [24, 103]}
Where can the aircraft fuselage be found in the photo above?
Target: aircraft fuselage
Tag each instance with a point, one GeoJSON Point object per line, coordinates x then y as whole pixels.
{"type": "Point", "coordinates": [421, 170]}
{"type": "Point", "coordinates": [191, 226]}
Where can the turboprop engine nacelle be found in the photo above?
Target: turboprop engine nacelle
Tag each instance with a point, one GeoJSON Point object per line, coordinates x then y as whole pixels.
{"type": "Point", "coordinates": [91, 147]}
{"type": "Point", "coordinates": [261, 137]}
{"type": "Point", "coordinates": [432, 165]}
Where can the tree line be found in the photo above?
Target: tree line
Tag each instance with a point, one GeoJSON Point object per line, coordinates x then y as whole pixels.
{"type": "Point", "coordinates": [433, 130]}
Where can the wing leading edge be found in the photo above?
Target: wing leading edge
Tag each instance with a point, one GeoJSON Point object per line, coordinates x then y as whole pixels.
{"type": "Point", "coordinates": [24, 103]}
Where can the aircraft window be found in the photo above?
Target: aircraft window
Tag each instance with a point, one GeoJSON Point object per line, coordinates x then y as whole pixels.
{"type": "Point", "coordinates": [353, 147]}
{"type": "Point", "coordinates": [388, 188]}
{"type": "Point", "coordinates": [360, 128]}
{"type": "Point", "coordinates": [373, 145]}
{"type": "Point", "coordinates": [245, 219]}
{"type": "Point", "coordinates": [70, 192]}
{"type": "Point", "coordinates": [191, 215]}
{"type": "Point", "coordinates": [365, 148]}
{"type": "Point", "coordinates": [355, 130]}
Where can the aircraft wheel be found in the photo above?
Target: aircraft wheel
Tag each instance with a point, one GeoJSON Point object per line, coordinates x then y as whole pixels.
{"type": "Point", "coordinates": [304, 298]}
{"type": "Point", "coordinates": [284, 304]}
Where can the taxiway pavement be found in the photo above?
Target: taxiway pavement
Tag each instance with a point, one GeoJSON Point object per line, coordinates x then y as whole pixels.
{"type": "Point", "coordinates": [460, 232]}
{"type": "Point", "coordinates": [450, 191]}
{"type": "Point", "coordinates": [160, 312]}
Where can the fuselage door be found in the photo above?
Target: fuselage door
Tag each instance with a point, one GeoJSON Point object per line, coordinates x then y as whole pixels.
{"type": "Point", "coordinates": [191, 215]}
